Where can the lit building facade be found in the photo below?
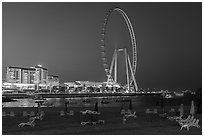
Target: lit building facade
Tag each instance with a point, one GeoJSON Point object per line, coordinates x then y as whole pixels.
{"type": "Point", "coordinates": [41, 75]}
{"type": "Point", "coordinates": [37, 75]}
{"type": "Point", "coordinates": [20, 75]}
{"type": "Point", "coordinates": [19, 78]}
{"type": "Point", "coordinates": [27, 78]}
{"type": "Point", "coordinates": [13, 74]}
{"type": "Point", "coordinates": [27, 75]}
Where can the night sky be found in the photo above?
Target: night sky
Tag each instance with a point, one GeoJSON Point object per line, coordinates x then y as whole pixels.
{"type": "Point", "coordinates": [65, 38]}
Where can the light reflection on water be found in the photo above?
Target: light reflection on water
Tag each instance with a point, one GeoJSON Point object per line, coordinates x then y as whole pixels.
{"type": "Point", "coordinates": [79, 101]}
{"type": "Point", "coordinates": [60, 102]}
{"type": "Point", "coordinates": [20, 103]}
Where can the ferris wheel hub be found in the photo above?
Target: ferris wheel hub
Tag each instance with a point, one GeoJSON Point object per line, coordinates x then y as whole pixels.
{"type": "Point", "coordinates": [121, 49]}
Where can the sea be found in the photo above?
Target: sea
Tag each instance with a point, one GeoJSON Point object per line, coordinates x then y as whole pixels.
{"type": "Point", "coordinates": [109, 101]}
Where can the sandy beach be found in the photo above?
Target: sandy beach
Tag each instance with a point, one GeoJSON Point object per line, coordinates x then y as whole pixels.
{"type": "Point", "coordinates": [54, 124]}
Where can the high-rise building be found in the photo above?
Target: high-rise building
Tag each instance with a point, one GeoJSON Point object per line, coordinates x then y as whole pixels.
{"type": "Point", "coordinates": [34, 75]}
{"type": "Point", "coordinates": [20, 75]}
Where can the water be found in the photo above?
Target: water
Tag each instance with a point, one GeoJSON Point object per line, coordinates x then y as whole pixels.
{"type": "Point", "coordinates": [78, 102]}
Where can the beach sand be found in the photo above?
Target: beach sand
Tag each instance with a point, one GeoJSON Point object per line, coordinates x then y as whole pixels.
{"type": "Point", "coordinates": [54, 124]}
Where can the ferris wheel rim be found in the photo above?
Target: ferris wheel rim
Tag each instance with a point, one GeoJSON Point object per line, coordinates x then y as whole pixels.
{"type": "Point", "coordinates": [132, 36]}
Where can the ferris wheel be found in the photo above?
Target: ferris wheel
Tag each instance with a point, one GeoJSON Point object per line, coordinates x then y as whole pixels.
{"type": "Point", "coordinates": [130, 67]}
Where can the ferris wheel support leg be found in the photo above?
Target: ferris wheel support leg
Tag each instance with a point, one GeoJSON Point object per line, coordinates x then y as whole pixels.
{"type": "Point", "coordinates": [112, 63]}
{"type": "Point", "coordinates": [133, 77]}
{"type": "Point", "coordinates": [115, 76]}
{"type": "Point", "coordinates": [127, 73]}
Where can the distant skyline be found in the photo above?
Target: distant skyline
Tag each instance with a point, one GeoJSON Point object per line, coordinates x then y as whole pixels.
{"type": "Point", "coordinates": [65, 38]}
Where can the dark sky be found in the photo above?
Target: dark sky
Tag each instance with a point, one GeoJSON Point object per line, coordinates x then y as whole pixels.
{"type": "Point", "coordinates": [65, 38]}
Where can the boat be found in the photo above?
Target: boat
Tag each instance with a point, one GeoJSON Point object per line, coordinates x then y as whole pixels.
{"type": "Point", "coordinates": [179, 94]}
{"type": "Point", "coordinates": [168, 96]}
